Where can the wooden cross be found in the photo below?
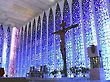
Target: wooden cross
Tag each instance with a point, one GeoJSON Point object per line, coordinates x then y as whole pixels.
{"type": "Point", "coordinates": [62, 43]}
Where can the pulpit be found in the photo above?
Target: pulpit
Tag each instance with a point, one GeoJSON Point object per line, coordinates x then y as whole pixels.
{"type": "Point", "coordinates": [2, 72]}
{"type": "Point", "coordinates": [96, 67]}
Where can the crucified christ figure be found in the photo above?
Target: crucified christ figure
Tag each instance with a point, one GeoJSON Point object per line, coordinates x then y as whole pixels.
{"type": "Point", "coordinates": [62, 43]}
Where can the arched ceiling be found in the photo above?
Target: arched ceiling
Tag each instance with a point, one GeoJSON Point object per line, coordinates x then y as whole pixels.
{"type": "Point", "coordinates": [19, 12]}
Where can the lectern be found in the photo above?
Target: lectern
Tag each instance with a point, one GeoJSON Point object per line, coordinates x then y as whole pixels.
{"type": "Point", "coordinates": [96, 67]}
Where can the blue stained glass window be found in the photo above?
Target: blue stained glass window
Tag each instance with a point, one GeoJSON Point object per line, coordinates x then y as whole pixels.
{"type": "Point", "coordinates": [8, 49]}
{"type": "Point", "coordinates": [93, 19]}
{"type": "Point", "coordinates": [66, 13]}
{"type": "Point", "coordinates": [51, 38]}
{"type": "Point", "coordinates": [20, 53]}
{"type": "Point", "coordinates": [89, 25]}
{"type": "Point", "coordinates": [78, 42]}
{"type": "Point", "coordinates": [23, 70]}
{"type": "Point", "coordinates": [68, 35]}
{"type": "Point", "coordinates": [1, 40]}
{"type": "Point", "coordinates": [29, 46]}
{"type": "Point", "coordinates": [24, 55]}
{"type": "Point", "coordinates": [38, 44]}
{"type": "Point", "coordinates": [58, 56]}
{"type": "Point", "coordinates": [58, 18]}
{"type": "Point", "coordinates": [17, 55]}
{"type": "Point", "coordinates": [103, 31]}
{"type": "Point", "coordinates": [44, 40]}
{"type": "Point", "coordinates": [33, 58]}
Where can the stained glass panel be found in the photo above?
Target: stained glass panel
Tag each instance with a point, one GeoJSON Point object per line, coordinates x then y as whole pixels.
{"type": "Point", "coordinates": [44, 40]}
{"type": "Point", "coordinates": [29, 46]}
{"type": "Point", "coordinates": [89, 25]}
{"type": "Point", "coordinates": [79, 55]}
{"type": "Point", "coordinates": [51, 38]}
{"type": "Point", "coordinates": [68, 35]}
{"type": "Point", "coordinates": [33, 58]}
{"type": "Point", "coordinates": [103, 25]}
{"type": "Point", "coordinates": [59, 63]}
{"type": "Point", "coordinates": [38, 43]}
{"type": "Point", "coordinates": [8, 49]}
{"type": "Point", "coordinates": [1, 40]}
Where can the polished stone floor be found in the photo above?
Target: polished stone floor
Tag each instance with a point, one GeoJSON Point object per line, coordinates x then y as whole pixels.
{"type": "Point", "coordinates": [50, 80]}
{"type": "Point", "coordinates": [65, 80]}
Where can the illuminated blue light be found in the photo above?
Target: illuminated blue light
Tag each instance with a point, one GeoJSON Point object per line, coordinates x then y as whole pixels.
{"type": "Point", "coordinates": [33, 46]}
{"type": "Point", "coordinates": [29, 45]}
{"type": "Point", "coordinates": [17, 56]}
{"type": "Point", "coordinates": [4, 54]}
{"type": "Point", "coordinates": [20, 53]}
{"type": "Point", "coordinates": [68, 35]}
{"type": "Point", "coordinates": [24, 51]}
{"type": "Point", "coordinates": [38, 44]}
{"type": "Point", "coordinates": [8, 49]}
{"type": "Point", "coordinates": [58, 56]}
{"type": "Point", "coordinates": [78, 38]}
{"type": "Point", "coordinates": [88, 25]}
{"type": "Point", "coordinates": [1, 40]}
{"type": "Point", "coordinates": [51, 38]}
{"type": "Point", "coordinates": [93, 19]}
{"type": "Point", "coordinates": [44, 40]}
{"type": "Point", "coordinates": [103, 23]}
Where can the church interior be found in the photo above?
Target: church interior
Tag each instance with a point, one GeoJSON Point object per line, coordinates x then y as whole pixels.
{"type": "Point", "coordinates": [28, 45]}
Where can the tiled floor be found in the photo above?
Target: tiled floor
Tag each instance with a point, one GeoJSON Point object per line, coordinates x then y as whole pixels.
{"type": "Point", "coordinates": [50, 80]}
{"type": "Point", "coordinates": [65, 80]}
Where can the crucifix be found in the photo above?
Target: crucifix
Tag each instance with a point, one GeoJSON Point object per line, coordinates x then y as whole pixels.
{"type": "Point", "coordinates": [62, 33]}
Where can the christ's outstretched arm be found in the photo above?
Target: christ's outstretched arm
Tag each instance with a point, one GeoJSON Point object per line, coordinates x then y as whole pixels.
{"type": "Point", "coordinates": [70, 27]}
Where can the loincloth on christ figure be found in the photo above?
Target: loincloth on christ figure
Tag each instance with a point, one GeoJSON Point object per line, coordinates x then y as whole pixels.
{"type": "Point", "coordinates": [63, 50]}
